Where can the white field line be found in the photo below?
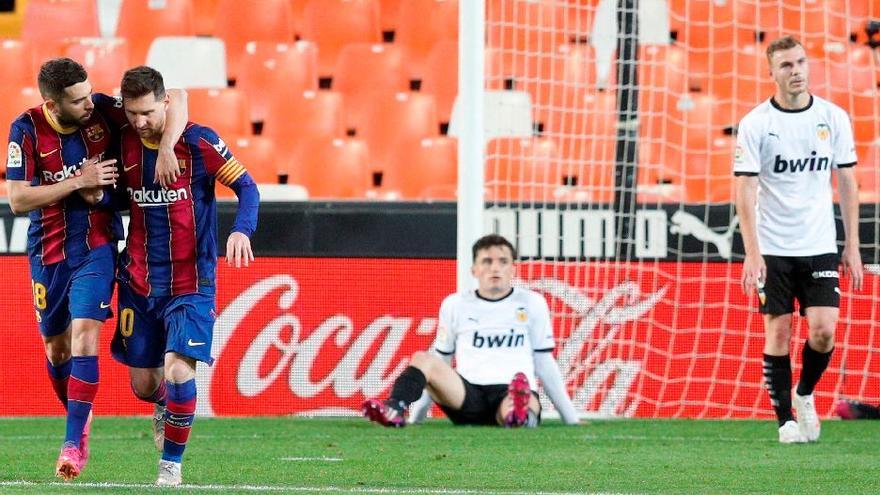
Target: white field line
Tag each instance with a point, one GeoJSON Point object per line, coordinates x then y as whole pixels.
{"type": "Point", "coordinates": [283, 488]}
{"type": "Point", "coordinates": [311, 459]}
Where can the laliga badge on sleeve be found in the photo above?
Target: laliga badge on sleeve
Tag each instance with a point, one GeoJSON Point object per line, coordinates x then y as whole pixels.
{"type": "Point", "coordinates": [13, 157]}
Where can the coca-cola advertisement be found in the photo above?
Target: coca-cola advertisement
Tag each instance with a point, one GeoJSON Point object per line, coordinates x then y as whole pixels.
{"type": "Point", "coordinates": [319, 335]}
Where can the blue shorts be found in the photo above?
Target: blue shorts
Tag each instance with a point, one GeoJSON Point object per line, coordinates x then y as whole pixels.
{"type": "Point", "coordinates": [68, 290]}
{"type": "Point", "coordinates": [148, 327]}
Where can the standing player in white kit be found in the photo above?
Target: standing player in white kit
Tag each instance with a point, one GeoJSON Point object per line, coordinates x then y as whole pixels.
{"type": "Point", "coordinates": [501, 337]}
{"type": "Point", "coordinates": [787, 148]}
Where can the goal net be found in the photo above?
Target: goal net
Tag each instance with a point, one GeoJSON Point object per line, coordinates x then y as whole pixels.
{"type": "Point", "coordinates": [615, 180]}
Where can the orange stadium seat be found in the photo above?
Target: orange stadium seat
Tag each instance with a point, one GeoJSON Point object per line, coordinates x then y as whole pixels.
{"type": "Point", "coordinates": [105, 59]}
{"type": "Point", "coordinates": [141, 21]}
{"type": "Point", "coordinates": [276, 71]}
{"type": "Point", "coordinates": [441, 77]}
{"type": "Point", "coordinates": [554, 80]}
{"type": "Point", "coordinates": [853, 71]}
{"type": "Point", "coordinates": [390, 118]}
{"type": "Point", "coordinates": [664, 69]}
{"type": "Point", "coordinates": [546, 19]}
{"type": "Point", "coordinates": [363, 69]}
{"type": "Point", "coordinates": [421, 25]}
{"type": "Point", "coordinates": [661, 166]}
{"type": "Point", "coordinates": [388, 14]}
{"type": "Point", "coordinates": [814, 23]}
{"type": "Point", "coordinates": [259, 156]}
{"type": "Point", "coordinates": [10, 22]}
{"type": "Point", "coordinates": [705, 25]}
{"type": "Point", "coordinates": [242, 21]}
{"type": "Point", "coordinates": [522, 169]}
{"type": "Point", "coordinates": [589, 116]}
{"type": "Point", "coordinates": [310, 115]}
{"type": "Point", "coordinates": [864, 110]}
{"type": "Point", "coordinates": [17, 64]}
{"type": "Point", "coordinates": [47, 23]}
{"type": "Point", "coordinates": [298, 10]}
{"type": "Point", "coordinates": [205, 16]}
{"type": "Point", "coordinates": [332, 24]}
{"type": "Point", "coordinates": [332, 167]}
{"type": "Point", "coordinates": [424, 168]}
{"type": "Point", "coordinates": [709, 172]}
{"type": "Point", "coordinates": [225, 110]}
{"type": "Point", "coordinates": [12, 104]}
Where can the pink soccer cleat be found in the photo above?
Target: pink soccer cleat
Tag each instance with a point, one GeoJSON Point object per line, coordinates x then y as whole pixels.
{"type": "Point", "coordinates": [519, 392]}
{"type": "Point", "coordinates": [70, 462]}
{"type": "Point", "coordinates": [384, 413]}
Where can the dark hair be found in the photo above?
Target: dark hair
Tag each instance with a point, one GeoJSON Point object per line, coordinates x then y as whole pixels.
{"type": "Point", "coordinates": [491, 240]}
{"type": "Point", "coordinates": [58, 74]}
{"type": "Point", "coordinates": [140, 81]}
{"type": "Point", "coordinates": [783, 43]}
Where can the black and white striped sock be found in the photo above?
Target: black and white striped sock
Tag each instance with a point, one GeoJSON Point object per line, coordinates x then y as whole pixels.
{"type": "Point", "coordinates": [777, 380]}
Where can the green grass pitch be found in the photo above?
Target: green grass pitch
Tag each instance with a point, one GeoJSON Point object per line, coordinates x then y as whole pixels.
{"type": "Point", "coordinates": [350, 455]}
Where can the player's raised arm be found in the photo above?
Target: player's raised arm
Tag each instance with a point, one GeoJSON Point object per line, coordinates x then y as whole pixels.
{"type": "Point", "coordinates": [167, 167]}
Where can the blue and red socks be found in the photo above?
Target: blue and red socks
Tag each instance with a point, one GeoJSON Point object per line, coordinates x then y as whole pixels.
{"type": "Point", "coordinates": [81, 390]}
{"type": "Point", "coordinates": [180, 411]}
{"type": "Point", "coordinates": [59, 375]}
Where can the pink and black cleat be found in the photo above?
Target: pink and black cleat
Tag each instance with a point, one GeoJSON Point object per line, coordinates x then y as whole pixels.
{"type": "Point", "coordinates": [384, 413]}
{"type": "Point", "coordinates": [519, 392]}
{"type": "Point", "coordinates": [70, 462]}
{"type": "Point", "coordinates": [853, 409]}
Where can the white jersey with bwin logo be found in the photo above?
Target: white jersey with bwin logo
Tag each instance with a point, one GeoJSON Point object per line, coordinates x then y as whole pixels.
{"type": "Point", "coordinates": [793, 153]}
{"type": "Point", "coordinates": [492, 340]}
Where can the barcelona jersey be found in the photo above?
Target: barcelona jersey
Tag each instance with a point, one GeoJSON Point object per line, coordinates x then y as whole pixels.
{"type": "Point", "coordinates": [42, 151]}
{"type": "Point", "coordinates": [171, 247]}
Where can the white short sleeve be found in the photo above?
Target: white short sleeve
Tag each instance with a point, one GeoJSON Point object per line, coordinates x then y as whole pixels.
{"type": "Point", "coordinates": [747, 155]}
{"type": "Point", "coordinates": [541, 328]}
{"type": "Point", "coordinates": [445, 340]}
{"type": "Point", "coordinates": [844, 145]}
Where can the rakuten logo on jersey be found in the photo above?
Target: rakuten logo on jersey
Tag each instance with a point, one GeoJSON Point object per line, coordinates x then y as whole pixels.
{"type": "Point", "coordinates": [157, 197]}
{"type": "Point", "coordinates": [65, 172]}
{"type": "Point", "coordinates": [811, 163]}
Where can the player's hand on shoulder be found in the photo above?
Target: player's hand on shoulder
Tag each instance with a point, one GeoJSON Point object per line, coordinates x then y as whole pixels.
{"type": "Point", "coordinates": [167, 167]}
{"type": "Point", "coordinates": [238, 250]}
{"type": "Point", "coordinates": [96, 173]}
{"type": "Point", "coordinates": [852, 266]}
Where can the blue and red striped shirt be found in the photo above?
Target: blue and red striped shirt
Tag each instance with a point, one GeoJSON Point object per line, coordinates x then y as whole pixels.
{"type": "Point", "coordinates": [172, 237]}
{"type": "Point", "coordinates": [42, 151]}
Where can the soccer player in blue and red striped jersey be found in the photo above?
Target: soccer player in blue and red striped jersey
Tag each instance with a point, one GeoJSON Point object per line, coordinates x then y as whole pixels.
{"type": "Point", "coordinates": [167, 272]}
{"type": "Point", "coordinates": [55, 149]}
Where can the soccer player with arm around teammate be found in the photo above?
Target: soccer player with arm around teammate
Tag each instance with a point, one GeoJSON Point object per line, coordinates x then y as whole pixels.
{"type": "Point", "coordinates": [167, 272]}
{"type": "Point", "coordinates": [501, 337]}
{"type": "Point", "coordinates": [787, 148]}
{"type": "Point", "coordinates": [55, 149]}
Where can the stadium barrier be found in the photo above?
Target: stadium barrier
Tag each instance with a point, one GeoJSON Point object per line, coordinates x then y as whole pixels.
{"type": "Point", "coordinates": [314, 332]}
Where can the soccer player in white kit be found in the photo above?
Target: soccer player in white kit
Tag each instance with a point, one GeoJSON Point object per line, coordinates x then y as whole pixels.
{"type": "Point", "coordinates": [787, 148]}
{"type": "Point", "coordinates": [502, 339]}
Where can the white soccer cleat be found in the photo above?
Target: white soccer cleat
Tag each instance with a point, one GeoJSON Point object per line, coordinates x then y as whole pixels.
{"type": "Point", "coordinates": [169, 474]}
{"type": "Point", "coordinates": [159, 427]}
{"type": "Point", "coordinates": [790, 432]}
{"type": "Point", "coordinates": [807, 418]}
